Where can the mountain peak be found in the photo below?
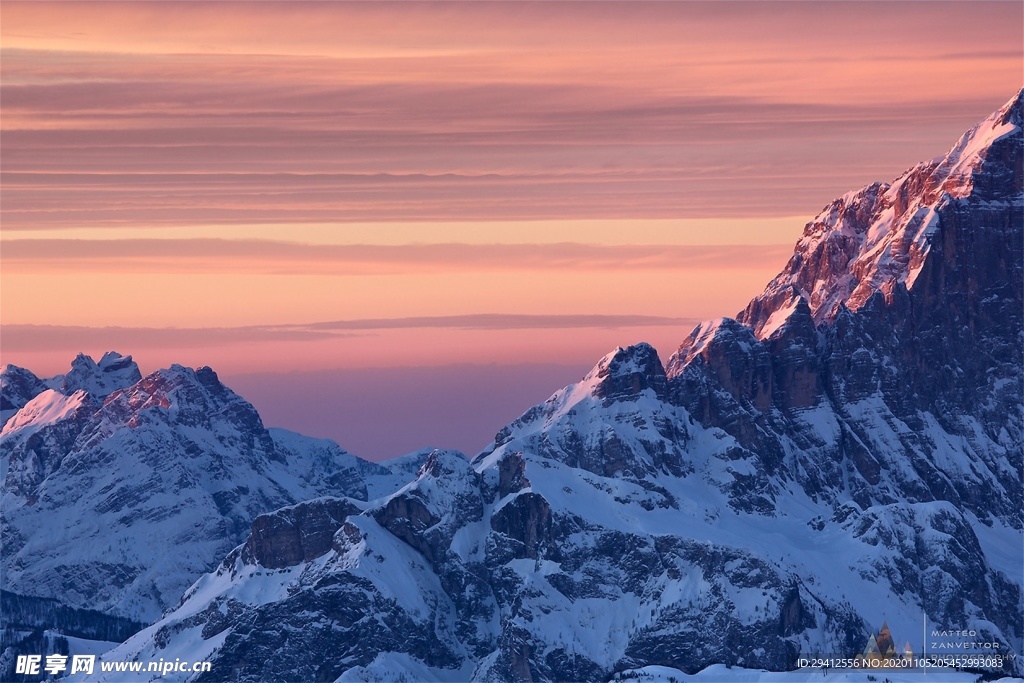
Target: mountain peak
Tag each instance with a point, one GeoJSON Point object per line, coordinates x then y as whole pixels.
{"type": "Point", "coordinates": [701, 337]}
{"type": "Point", "coordinates": [625, 372]}
{"type": "Point", "coordinates": [184, 387]}
{"type": "Point", "coordinates": [1013, 111]}
{"type": "Point", "coordinates": [957, 172]}
{"type": "Point", "coordinates": [113, 372]}
{"type": "Point", "coordinates": [112, 361]}
{"type": "Point", "coordinates": [879, 237]}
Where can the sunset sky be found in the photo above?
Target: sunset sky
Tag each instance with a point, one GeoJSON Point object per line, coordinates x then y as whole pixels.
{"type": "Point", "coordinates": [400, 225]}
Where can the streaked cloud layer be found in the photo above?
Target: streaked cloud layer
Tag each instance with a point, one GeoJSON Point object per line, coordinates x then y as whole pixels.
{"type": "Point", "coordinates": [21, 338]}
{"type": "Point", "coordinates": [265, 256]}
{"type": "Point", "coordinates": [177, 113]}
{"type": "Point", "coordinates": [372, 345]}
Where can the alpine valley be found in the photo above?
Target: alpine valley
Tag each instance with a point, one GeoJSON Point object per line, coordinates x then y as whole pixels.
{"type": "Point", "coordinates": [847, 451]}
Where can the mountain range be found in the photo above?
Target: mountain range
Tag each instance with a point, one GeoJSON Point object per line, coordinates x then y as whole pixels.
{"type": "Point", "coordinates": [847, 450]}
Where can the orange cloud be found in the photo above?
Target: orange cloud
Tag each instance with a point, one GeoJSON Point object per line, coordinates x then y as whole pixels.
{"type": "Point", "coordinates": [181, 114]}
{"type": "Point", "coordinates": [29, 338]}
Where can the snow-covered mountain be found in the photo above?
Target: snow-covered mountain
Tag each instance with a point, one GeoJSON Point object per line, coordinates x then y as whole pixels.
{"type": "Point", "coordinates": [18, 386]}
{"type": "Point", "coordinates": [119, 491]}
{"type": "Point", "coordinates": [847, 451]}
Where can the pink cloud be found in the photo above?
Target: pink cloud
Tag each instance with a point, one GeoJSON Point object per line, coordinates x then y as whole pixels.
{"type": "Point", "coordinates": [160, 115]}
{"type": "Point", "coordinates": [71, 339]}
{"type": "Point", "coordinates": [263, 256]}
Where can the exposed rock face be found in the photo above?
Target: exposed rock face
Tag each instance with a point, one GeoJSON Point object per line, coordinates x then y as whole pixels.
{"type": "Point", "coordinates": [623, 375]}
{"type": "Point", "coordinates": [846, 452]}
{"type": "Point", "coordinates": [297, 534]}
{"type": "Point", "coordinates": [882, 235]}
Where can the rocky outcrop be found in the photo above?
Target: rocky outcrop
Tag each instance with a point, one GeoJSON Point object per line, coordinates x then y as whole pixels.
{"type": "Point", "coordinates": [512, 474]}
{"type": "Point", "coordinates": [626, 373]}
{"type": "Point", "coordinates": [297, 534]}
{"type": "Point", "coordinates": [101, 379]}
{"type": "Point", "coordinates": [525, 522]}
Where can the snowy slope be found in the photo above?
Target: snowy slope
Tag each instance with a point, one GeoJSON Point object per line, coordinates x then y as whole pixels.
{"type": "Point", "coordinates": [18, 386]}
